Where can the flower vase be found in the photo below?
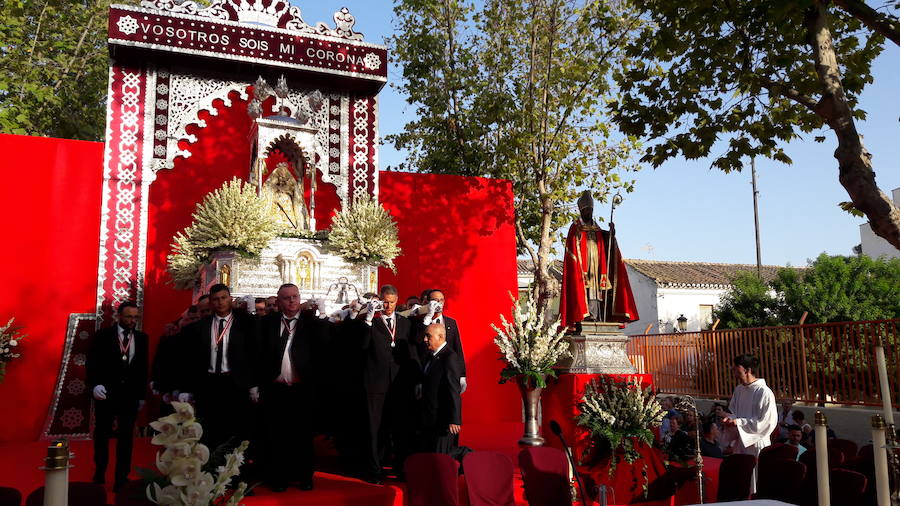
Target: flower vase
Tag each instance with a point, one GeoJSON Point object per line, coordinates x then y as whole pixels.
{"type": "Point", "coordinates": [531, 401]}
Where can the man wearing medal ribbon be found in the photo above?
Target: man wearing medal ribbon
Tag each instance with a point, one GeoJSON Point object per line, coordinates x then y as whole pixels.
{"type": "Point", "coordinates": [390, 369]}
{"type": "Point", "coordinates": [219, 360]}
{"type": "Point", "coordinates": [117, 365]}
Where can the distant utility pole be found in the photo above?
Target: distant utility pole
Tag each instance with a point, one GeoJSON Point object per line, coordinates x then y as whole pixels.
{"type": "Point", "coordinates": [756, 218]}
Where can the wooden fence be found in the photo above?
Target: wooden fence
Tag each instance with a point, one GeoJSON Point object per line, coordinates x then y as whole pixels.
{"type": "Point", "coordinates": [831, 362]}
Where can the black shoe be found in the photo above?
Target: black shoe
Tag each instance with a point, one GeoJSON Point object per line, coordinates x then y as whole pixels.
{"type": "Point", "coordinates": [305, 485]}
{"type": "Point", "coordinates": [279, 488]}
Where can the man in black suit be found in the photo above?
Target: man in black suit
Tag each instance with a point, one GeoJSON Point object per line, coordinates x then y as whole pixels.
{"type": "Point", "coordinates": [390, 373]}
{"type": "Point", "coordinates": [286, 393]}
{"type": "Point", "coordinates": [117, 366]}
{"type": "Point", "coordinates": [454, 341]}
{"type": "Point", "coordinates": [441, 406]}
{"type": "Point", "coordinates": [218, 370]}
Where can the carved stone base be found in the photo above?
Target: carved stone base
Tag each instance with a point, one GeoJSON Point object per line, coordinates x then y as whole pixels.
{"type": "Point", "coordinates": [308, 263]}
{"type": "Point", "coordinates": [598, 349]}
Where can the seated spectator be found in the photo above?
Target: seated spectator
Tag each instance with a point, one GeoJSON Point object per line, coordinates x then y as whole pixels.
{"type": "Point", "coordinates": [709, 442]}
{"type": "Point", "coordinates": [668, 405]}
{"type": "Point", "coordinates": [784, 420]}
{"type": "Point", "coordinates": [690, 423]}
{"type": "Point", "coordinates": [677, 444]}
{"type": "Point", "coordinates": [795, 435]}
{"type": "Point", "coordinates": [800, 421]}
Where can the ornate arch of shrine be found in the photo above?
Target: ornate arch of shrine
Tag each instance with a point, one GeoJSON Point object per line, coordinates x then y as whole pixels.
{"type": "Point", "coordinates": [176, 64]}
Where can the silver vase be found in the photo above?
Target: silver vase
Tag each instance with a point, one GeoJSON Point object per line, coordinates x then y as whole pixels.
{"type": "Point", "coordinates": [531, 401]}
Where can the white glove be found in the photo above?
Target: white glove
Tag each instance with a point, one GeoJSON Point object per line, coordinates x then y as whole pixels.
{"type": "Point", "coordinates": [462, 384]}
{"type": "Point", "coordinates": [370, 312]}
{"type": "Point", "coordinates": [254, 394]}
{"type": "Point", "coordinates": [185, 397]}
{"type": "Point", "coordinates": [100, 393]}
{"type": "Point", "coordinates": [432, 309]}
{"type": "Point", "coordinates": [411, 311]}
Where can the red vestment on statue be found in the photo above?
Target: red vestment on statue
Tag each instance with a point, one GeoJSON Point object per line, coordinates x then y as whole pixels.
{"type": "Point", "coordinates": [613, 282]}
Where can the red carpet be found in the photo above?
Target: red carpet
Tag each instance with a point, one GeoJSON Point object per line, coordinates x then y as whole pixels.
{"type": "Point", "coordinates": [19, 469]}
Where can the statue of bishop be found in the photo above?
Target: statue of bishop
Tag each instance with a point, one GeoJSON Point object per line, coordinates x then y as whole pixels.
{"type": "Point", "coordinates": [595, 283]}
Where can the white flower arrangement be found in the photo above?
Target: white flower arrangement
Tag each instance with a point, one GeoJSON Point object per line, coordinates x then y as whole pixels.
{"type": "Point", "coordinates": [529, 345]}
{"type": "Point", "coordinates": [232, 217]}
{"type": "Point", "coordinates": [10, 337]}
{"type": "Point", "coordinates": [182, 461]}
{"type": "Point", "coordinates": [619, 411]}
{"type": "Point", "coordinates": [365, 234]}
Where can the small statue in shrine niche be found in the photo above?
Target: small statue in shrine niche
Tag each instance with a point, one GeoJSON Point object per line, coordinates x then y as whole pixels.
{"type": "Point", "coordinates": [286, 193]}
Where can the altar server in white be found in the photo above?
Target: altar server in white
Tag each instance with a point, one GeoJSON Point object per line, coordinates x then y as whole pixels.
{"type": "Point", "coordinates": [754, 412]}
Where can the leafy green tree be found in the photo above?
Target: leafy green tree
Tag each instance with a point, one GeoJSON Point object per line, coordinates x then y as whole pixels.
{"type": "Point", "coordinates": [840, 289]}
{"type": "Point", "coordinates": [745, 76]}
{"type": "Point", "coordinates": [516, 89]}
{"type": "Point", "coordinates": [53, 68]}
{"type": "Point", "coordinates": [830, 289]}
{"type": "Point", "coordinates": [749, 303]}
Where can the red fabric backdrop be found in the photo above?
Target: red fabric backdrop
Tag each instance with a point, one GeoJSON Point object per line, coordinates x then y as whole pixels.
{"type": "Point", "coordinates": [50, 203]}
{"type": "Point", "coordinates": [456, 234]}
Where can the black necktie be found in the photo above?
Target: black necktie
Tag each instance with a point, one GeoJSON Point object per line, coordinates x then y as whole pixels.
{"type": "Point", "coordinates": [286, 333]}
{"type": "Point", "coordinates": [390, 324]}
{"type": "Point", "coordinates": [220, 338]}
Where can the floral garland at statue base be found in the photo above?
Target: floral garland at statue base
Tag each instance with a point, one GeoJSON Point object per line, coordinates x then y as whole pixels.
{"type": "Point", "coordinates": [529, 346]}
{"type": "Point", "coordinates": [9, 340]}
{"type": "Point", "coordinates": [183, 480]}
{"type": "Point", "coordinates": [620, 412]}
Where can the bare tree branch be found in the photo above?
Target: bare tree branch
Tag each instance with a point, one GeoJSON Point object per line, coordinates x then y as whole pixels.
{"type": "Point", "coordinates": [876, 21]}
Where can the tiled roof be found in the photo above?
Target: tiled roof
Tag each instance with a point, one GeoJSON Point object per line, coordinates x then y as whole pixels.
{"type": "Point", "coordinates": [525, 268]}
{"type": "Point", "coordinates": [697, 274]}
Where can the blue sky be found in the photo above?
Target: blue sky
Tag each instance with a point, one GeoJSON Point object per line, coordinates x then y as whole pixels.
{"type": "Point", "coordinates": [684, 210]}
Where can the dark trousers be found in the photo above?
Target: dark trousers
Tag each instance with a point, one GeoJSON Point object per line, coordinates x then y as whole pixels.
{"type": "Point", "coordinates": [223, 408]}
{"type": "Point", "coordinates": [288, 454]}
{"type": "Point", "coordinates": [388, 429]}
{"type": "Point", "coordinates": [437, 440]}
{"type": "Point", "coordinates": [124, 412]}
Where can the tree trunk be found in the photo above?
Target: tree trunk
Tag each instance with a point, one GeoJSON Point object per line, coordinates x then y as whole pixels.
{"type": "Point", "coordinates": [854, 161]}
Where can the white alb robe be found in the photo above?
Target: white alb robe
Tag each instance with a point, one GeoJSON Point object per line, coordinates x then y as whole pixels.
{"type": "Point", "coordinates": [755, 414]}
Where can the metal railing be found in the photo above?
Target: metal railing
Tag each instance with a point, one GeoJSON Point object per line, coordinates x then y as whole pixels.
{"type": "Point", "coordinates": [820, 363]}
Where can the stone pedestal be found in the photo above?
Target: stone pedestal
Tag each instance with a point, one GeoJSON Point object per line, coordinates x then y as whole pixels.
{"type": "Point", "coordinates": [598, 349]}
{"type": "Point", "coordinates": [307, 263]}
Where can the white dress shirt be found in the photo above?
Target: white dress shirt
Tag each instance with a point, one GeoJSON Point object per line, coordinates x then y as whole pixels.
{"type": "Point", "coordinates": [288, 374]}
{"type": "Point", "coordinates": [214, 334]}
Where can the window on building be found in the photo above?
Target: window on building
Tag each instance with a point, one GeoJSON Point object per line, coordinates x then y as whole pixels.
{"type": "Point", "coordinates": [705, 316]}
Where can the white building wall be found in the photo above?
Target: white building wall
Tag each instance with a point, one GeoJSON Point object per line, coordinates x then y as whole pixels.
{"type": "Point", "coordinates": [644, 290]}
{"type": "Point", "coordinates": [672, 302]}
{"type": "Point", "coordinates": [875, 246]}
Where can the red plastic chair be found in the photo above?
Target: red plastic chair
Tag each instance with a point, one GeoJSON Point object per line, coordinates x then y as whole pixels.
{"type": "Point", "coordinates": [847, 487]}
{"type": "Point", "coordinates": [778, 451]}
{"type": "Point", "coordinates": [10, 497]}
{"type": "Point", "coordinates": [847, 447]}
{"type": "Point", "coordinates": [82, 494]}
{"type": "Point", "coordinates": [545, 473]}
{"type": "Point", "coordinates": [431, 480]}
{"type": "Point", "coordinates": [489, 479]}
{"type": "Point", "coordinates": [735, 478]}
{"type": "Point", "coordinates": [835, 459]}
{"type": "Point", "coordinates": [780, 479]}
